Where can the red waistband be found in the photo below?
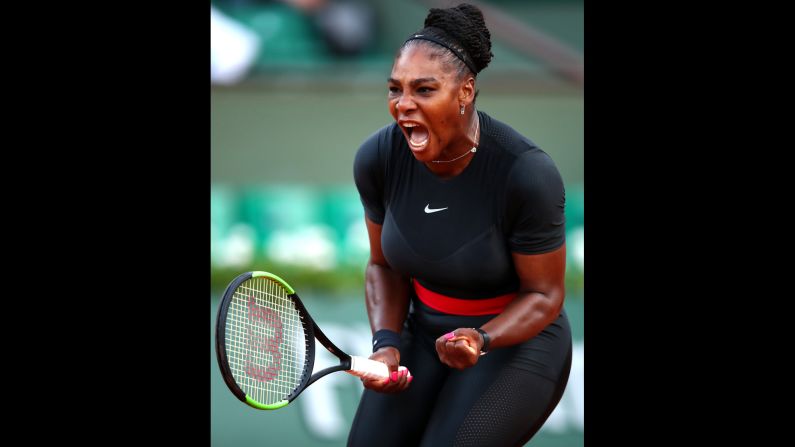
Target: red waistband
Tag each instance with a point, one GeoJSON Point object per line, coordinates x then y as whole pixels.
{"type": "Point", "coordinates": [457, 306]}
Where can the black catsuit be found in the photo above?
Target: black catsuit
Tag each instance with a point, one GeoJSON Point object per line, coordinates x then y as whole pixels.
{"type": "Point", "coordinates": [455, 237]}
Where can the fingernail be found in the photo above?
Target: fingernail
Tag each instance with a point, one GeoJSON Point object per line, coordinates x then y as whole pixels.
{"type": "Point", "coordinates": [387, 380]}
{"type": "Point", "coordinates": [449, 335]}
{"type": "Point", "coordinates": [394, 376]}
{"type": "Point", "coordinates": [410, 378]}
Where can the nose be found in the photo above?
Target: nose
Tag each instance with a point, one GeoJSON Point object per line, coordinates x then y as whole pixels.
{"type": "Point", "coordinates": [404, 104]}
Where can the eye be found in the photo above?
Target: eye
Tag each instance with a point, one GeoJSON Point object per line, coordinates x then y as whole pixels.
{"type": "Point", "coordinates": [424, 90]}
{"type": "Point", "coordinates": [393, 90]}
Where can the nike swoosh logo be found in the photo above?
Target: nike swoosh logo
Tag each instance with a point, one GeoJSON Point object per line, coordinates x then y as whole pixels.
{"type": "Point", "coordinates": [433, 210]}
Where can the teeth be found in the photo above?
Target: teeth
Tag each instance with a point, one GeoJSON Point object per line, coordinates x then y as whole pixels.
{"type": "Point", "coordinates": [418, 144]}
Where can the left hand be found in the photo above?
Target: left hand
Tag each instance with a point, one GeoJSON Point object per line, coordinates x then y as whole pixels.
{"type": "Point", "coordinates": [459, 349]}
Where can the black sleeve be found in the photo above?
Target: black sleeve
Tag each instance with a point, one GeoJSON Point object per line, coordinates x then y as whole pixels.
{"type": "Point", "coordinates": [537, 196]}
{"type": "Point", "coordinates": [368, 173]}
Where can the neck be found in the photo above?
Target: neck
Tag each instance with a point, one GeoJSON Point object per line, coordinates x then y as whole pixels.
{"type": "Point", "coordinates": [451, 165]}
{"type": "Point", "coordinates": [473, 132]}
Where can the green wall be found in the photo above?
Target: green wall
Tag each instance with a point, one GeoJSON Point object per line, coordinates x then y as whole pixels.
{"type": "Point", "coordinates": [293, 134]}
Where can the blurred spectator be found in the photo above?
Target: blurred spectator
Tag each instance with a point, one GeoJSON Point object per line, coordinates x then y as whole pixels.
{"type": "Point", "coordinates": [233, 48]}
{"type": "Point", "coordinates": [346, 26]}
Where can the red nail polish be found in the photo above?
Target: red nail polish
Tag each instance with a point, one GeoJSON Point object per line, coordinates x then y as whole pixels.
{"type": "Point", "coordinates": [449, 335]}
{"type": "Point", "coordinates": [394, 376]}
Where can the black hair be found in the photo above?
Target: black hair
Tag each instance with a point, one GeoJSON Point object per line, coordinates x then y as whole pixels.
{"type": "Point", "coordinates": [458, 36]}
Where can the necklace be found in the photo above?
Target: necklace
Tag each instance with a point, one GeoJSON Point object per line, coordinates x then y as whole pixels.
{"type": "Point", "coordinates": [474, 148]}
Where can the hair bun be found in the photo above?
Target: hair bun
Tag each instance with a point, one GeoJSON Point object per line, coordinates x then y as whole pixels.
{"type": "Point", "coordinates": [464, 24]}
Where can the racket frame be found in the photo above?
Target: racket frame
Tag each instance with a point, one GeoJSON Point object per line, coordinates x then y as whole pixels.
{"type": "Point", "coordinates": [311, 332]}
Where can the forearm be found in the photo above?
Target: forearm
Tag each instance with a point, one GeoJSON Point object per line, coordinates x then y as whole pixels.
{"type": "Point", "coordinates": [524, 318]}
{"type": "Point", "coordinates": [387, 297]}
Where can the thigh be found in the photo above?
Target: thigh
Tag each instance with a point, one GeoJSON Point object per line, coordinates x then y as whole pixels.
{"type": "Point", "coordinates": [496, 402]}
{"type": "Point", "coordinates": [400, 419]}
{"type": "Point", "coordinates": [510, 410]}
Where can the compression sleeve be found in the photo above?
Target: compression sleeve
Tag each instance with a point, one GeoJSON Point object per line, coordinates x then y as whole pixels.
{"type": "Point", "coordinates": [537, 196]}
{"type": "Point", "coordinates": [368, 174]}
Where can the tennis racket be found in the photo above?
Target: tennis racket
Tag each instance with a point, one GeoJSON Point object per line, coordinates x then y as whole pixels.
{"type": "Point", "coordinates": [265, 343]}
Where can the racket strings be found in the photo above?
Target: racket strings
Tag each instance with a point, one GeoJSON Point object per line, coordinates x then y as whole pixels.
{"type": "Point", "coordinates": [265, 341]}
{"type": "Point", "coordinates": [264, 372]}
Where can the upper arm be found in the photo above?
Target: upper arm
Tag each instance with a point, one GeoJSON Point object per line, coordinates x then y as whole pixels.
{"type": "Point", "coordinates": [537, 238]}
{"type": "Point", "coordinates": [374, 235]}
{"type": "Point", "coordinates": [368, 174]}
{"type": "Point", "coordinates": [542, 273]}
{"type": "Point", "coordinates": [536, 198]}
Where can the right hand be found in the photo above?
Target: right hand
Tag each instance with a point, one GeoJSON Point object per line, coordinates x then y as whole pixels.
{"type": "Point", "coordinates": [399, 379]}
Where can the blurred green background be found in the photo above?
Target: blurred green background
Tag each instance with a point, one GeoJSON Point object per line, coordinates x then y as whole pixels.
{"type": "Point", "coordinates": [283, 138]}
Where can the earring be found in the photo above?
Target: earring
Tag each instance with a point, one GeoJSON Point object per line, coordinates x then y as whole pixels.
{"type": "Point", "coordinates": [462, 109]}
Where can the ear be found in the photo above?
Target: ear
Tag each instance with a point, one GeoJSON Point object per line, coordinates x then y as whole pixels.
{"type": "Point", "coordinates": [466, 93]}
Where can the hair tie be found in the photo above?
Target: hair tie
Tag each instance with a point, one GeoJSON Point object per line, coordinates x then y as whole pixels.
{"type": "Point", "coordinates": [437, 41]}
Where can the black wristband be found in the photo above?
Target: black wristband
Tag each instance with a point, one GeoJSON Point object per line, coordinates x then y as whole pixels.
{"type": "Point", "coordinates": [486, 340]}
{"type": "Point", "coordinates": [385, 337]}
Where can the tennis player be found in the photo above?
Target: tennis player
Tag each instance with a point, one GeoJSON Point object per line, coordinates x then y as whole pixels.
{"type": "Point", "coordinates": [465, 281]}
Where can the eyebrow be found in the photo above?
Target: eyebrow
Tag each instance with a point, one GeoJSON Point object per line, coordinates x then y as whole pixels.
{"type": "Point", "coordinates": [414, 81]}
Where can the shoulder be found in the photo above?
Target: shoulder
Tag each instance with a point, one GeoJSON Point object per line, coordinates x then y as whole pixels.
{"type": "Point", "coordinates": [535, 163]}
{"type": "Point", "coordinates": [381, 140]}
{"type": "Point", "coordinates": [531, 172]}
{"type": "Point", "coordinates": [372, 159]}
{"type": "Point", "coordinates": [524, 157]}
{"type": "Point", "coordinates": [377, 147]}
{"type": "Point", "coordinates": [509, 142]}
{"type": "Point", "coordinates": [535, 176]}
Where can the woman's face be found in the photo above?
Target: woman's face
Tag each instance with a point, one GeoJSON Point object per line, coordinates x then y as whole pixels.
{"type": "Point", "coordinates": [425, 98]}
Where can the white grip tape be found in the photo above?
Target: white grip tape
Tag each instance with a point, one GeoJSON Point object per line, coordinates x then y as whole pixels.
{"type": "Point", "coordinates": [364, 367]}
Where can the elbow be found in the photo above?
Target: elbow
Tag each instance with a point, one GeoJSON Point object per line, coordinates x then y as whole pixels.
{"type": "Point", "coordinates": [548, 303]}
{"type": "Point", "coordinates": [556, 296]}
{"type": "Point", "coordinates": [560, 296]}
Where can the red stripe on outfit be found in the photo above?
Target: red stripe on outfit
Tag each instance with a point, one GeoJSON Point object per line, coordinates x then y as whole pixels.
{"type": "Point", "coordinates": [457, 306]}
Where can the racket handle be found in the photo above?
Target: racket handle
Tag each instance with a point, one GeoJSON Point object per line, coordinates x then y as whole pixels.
{"type": "Point", "coordinates": [364, 367]}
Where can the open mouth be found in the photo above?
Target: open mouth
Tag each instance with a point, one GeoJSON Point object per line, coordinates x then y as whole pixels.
{"type": "Point", "coordinates": [417, 134]}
